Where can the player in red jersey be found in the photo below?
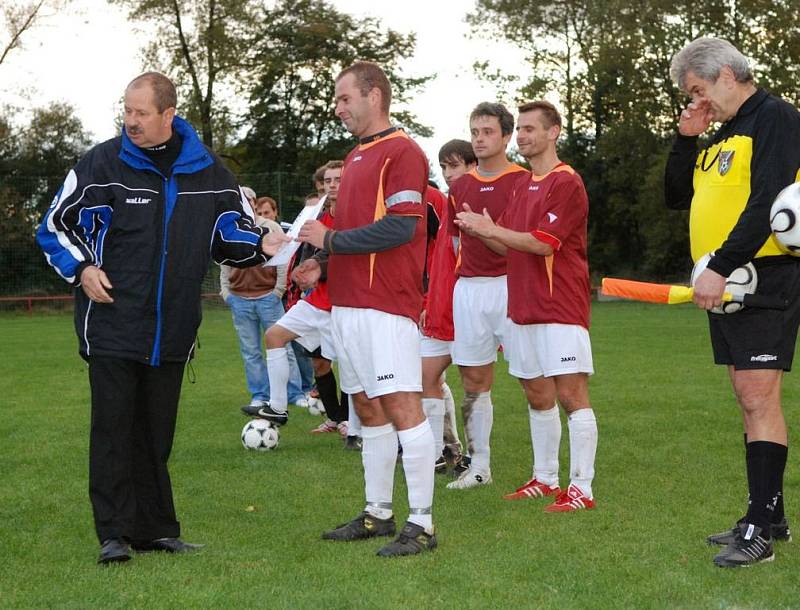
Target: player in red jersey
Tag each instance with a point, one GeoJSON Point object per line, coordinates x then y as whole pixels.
{"type": "Point", "coordinates": [308, 322]}
{"type": "Point", "coordinates": [375, 268]}
{"type": "Point", "coordinates": [543, 234]}
{"type": "Point", "coordinates": [480, 293]}
{"type": "Point", "coordinates": [456, 159]}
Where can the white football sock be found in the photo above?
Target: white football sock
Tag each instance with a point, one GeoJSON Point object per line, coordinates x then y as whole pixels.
{"type": "Point", "coordinates": [379, 455]}
{"type": "Point", "coordinates": [354, 422]}
{"type": "Point", "coordinates": [582, 448]}
{"type": "Point", "coordinates": [278, 371]}
{"type": "Point", "coordinates": [477, 410]}
{"type": "Point", "coordinates": [418, 462]}
{"type": "Point", "coordinates": [434, 411]}
{"type": "Point", "coordinates": [450, 433]}
{"type": "Point", "coordinates": [545, 440]}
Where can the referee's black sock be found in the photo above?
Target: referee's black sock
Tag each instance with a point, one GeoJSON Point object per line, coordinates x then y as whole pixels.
{"type": "Point", "coordinates": [778, 514]}
{"type": "Point", "coordinates": [326, 386]}
{"type": "Point", "coordinates": [765, 464]}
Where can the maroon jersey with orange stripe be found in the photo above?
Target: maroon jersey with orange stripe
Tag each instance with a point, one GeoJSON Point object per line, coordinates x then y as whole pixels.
{"type": "Point", "coordinates": [494, 193]}
{"type": "Point", "coordinates": [386, 176]}
{"type": "Point", "coordinates": [551, 289]}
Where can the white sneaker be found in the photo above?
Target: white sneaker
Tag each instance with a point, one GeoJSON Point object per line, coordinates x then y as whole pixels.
{"type": "Point", "coordinates": [470, 478]}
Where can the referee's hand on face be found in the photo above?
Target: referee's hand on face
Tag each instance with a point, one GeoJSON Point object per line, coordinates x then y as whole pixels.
{"type": "Point", "coordinates": [95, 284]}
{"type": "Point", "coordinates": [695, 118]}
{"type": "Point", "coordinates": [708, 289]}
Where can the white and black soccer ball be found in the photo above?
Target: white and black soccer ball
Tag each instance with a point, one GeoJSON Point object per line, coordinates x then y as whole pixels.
{"type": "Point", "coordinates": [743, 280]}
{"type": "Point", "coordinates": [315, 406]}
{"type": "Point", "coordinates": [784, 218]}
{"type": "Point", "coordinates": [259, 434]}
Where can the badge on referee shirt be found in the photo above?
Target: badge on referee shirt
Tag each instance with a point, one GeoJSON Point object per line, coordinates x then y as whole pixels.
{"type": "Point", "coordinates": [725, 161]}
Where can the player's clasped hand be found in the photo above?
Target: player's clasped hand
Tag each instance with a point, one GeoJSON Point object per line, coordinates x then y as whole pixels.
{"type": "Point", "coordinates": [95, 284]}
{"type": "Point", "coordinates": [708, 290]}
{"type": "Point", "coordinates": [473, 223]}
{"type": "Point", "coordinates": [307, 274]}
{"type": "Point", "coordinates": [313, 232]}
{"type": "Point", "coordinates": [695, 118]}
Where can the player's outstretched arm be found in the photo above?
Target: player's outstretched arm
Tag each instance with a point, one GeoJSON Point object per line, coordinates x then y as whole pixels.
{"type": "Point", "coordinates": [389, 232]}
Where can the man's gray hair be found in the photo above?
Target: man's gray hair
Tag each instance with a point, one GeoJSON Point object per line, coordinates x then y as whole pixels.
{"type": "Point", "coordinates": [706, 57]}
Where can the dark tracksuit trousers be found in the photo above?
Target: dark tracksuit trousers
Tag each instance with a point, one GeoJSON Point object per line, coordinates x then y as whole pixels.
{"type": "Point", "coordinates": [134, 408]}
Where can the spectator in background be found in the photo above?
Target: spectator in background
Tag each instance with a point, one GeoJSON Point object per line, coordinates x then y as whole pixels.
{"type": "Point", "coordinates": [269, 209]}
{"type": "Point", "coordinates": [254, 296]}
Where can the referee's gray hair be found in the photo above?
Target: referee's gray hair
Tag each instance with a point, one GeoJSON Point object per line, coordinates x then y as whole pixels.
{"type": "Point", "coordinates": [706, 57]}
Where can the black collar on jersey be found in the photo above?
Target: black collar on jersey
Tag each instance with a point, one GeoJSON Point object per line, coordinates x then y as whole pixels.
{"type": "Point", "coordinates": [752, 102]}
{"type": "Point", "coordinates": [378, 136]}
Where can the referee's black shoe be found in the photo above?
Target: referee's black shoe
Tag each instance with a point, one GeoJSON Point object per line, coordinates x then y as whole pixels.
{"type": "Point", "coordinates": [780, 532]}
{"type": "Point", "coordinates": [277, 418]}
{"type": "Point", "coordinates": [752, 545]}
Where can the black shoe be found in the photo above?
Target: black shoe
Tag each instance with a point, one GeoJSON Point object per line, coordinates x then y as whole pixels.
{"type": "Point", "coordinates": [114, 550]}
{"type": "Point", "coordinates": [251, 410]}
{"type": "Point", "coordinates": [780, 532]}
{"type": "Point", "coordinates": [440, 467]}
{"type": "Point", "coordinates": [167, 545]}
{"type": "Point", "coordinates": [413, 539]}
{"type": "Point", "coordinates": [353, 443]}
{"type": "Point", "coordinates": [461, 466]}
{"type": "Point", "coordinates": [752, 545]}
{"type": "Point", "coordinates": [362, 527]}
{"type": "Point", "coordinates": [266, 412]}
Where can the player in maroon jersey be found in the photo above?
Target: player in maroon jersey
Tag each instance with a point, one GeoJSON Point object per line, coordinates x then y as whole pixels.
{"type": "Point", "coordinates": [375, 267]}
{"type": "Point", "coordinates": [456, 159]}
{"type": "Point", "coordinates": [480, 293]}
{"type": "Point", "coordinates": [543, 235]}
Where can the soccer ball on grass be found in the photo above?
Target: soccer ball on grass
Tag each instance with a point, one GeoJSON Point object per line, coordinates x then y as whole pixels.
{"type": "Point", "coordinates": [260, 435]}
{"type": "Point", "coordinates": [315, 406]}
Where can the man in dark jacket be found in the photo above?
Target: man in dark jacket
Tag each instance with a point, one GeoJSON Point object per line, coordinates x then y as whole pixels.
{"type": "Point", "coordinates": [133, 228]}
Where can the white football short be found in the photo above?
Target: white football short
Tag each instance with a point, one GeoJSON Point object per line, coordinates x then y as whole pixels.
{"type": "Point", "coordinates": [433, 348]}
{"type": "Point", "coordinates": [546, 350]}
{"type": "Point", "coordinates": [312, 326]}
{"type": "Point", "coordinates": [480, 307]}
{"type": "Point", "coordinates": [378, 352]}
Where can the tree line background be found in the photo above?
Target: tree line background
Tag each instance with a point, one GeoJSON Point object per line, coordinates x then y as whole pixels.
{"type": "Point", "coordinates": [256, 80]}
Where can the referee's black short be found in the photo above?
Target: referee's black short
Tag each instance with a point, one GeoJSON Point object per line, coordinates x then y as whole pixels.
{"type": "Point", "coordinates": [761, 338]}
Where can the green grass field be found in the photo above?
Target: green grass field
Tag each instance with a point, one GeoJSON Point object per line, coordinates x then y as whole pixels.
{"type": "Point", "coordinates": [669, 471]}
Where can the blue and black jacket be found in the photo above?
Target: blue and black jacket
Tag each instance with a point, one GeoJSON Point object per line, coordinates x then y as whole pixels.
{"type": "Point", "coordinates": [154, 237]}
